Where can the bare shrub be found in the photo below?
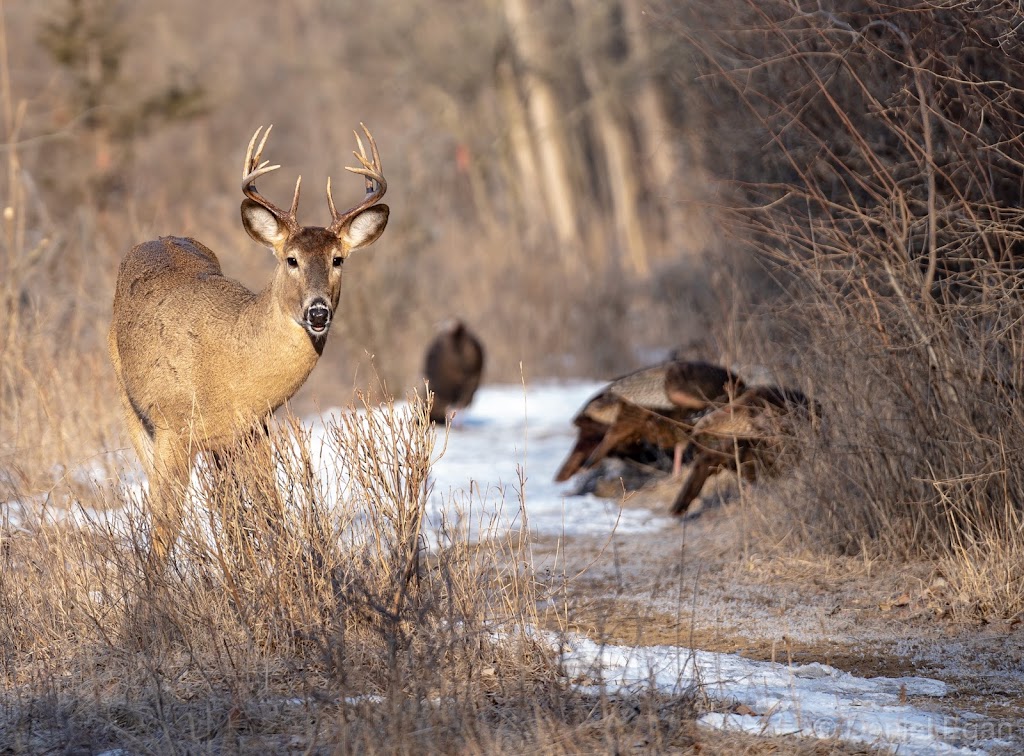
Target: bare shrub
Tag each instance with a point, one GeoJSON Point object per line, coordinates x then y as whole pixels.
{"type": "Point", "coordinates": [880, 177]}
{"type": "Point", "coordinates": [311, 616]}
{"type": "Point", "coordinates": [53, 374]}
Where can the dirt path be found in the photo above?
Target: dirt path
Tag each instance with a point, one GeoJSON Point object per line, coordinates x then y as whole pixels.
{"type": "Point", "coordinates": [697, 585]}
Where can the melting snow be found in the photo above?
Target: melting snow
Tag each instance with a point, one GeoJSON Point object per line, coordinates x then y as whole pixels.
{"type": "Point", "coordinates": [511, 430]}
{"type": "Point", "coordinates": [812, 700]}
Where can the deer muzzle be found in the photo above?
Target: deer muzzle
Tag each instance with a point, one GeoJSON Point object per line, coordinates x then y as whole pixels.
{"type": "Point", "coordinates": [318, 317]}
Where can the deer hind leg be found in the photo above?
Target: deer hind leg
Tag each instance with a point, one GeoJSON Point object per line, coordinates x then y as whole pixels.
{"type": "Point", "coordinates": [168, 474]}
{"type": "Point", "coordinates": [169, 478]}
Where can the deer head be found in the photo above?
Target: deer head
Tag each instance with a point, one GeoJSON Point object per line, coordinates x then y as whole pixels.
{"type": "Point", "coordinates": [307, 282]}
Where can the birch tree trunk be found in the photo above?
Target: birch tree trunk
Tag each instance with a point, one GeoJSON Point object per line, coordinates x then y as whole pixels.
{"type": "Point", "coordinates": [524, 161]}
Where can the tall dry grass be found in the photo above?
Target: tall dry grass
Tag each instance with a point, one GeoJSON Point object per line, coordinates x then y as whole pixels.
{"type": "Point", "coordinates": [271, 627]}
{"type": "Point", "coordinates": [310, 618]}
{"type": "Point", "coordinates": [878, 179]}
{"type": "Point", "coordinates": [53, 372]}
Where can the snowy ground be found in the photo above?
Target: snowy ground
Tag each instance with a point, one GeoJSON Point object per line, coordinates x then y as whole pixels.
{"type": "Point", "coordinates": [511, 432]}
{"type": "Point", "coordinates": [811, 700]}
{"type": "Point", "coordinates": [512, 440]}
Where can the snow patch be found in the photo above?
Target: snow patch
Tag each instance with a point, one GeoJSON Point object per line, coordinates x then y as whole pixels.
{"type": "Point", "coordinates": [809, 700]}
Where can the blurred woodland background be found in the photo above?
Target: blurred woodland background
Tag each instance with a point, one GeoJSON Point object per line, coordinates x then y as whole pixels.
{"type": "Point", "coordinates": [832, 190]}
{"type": "Point", "coordinates": [543, 171]}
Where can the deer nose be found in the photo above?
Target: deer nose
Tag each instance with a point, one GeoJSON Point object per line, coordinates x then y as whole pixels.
{"type": "Point", "coordinates": [318, 316]}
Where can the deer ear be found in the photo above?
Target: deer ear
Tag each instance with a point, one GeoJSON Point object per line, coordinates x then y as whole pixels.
{"type": "Point", "coordinates": [262, 225]}
{"type": "Point", "coordinates": [364, 228]}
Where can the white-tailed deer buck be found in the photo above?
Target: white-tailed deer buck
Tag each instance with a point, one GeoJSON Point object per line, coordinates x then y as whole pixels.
{"type": "Point", "coordinates": [201, 360]}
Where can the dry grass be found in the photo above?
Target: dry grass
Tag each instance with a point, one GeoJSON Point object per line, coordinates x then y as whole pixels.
{"type": "Point", "coordinates": [879, 180]}
{"type": "Point", "coordinates": [306, 615]}
{"type": "Point", "coordinates": [310, 618]}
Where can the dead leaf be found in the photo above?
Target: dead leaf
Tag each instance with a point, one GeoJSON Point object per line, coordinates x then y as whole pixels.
{"type": "Point", "coordinates": [902, 600]}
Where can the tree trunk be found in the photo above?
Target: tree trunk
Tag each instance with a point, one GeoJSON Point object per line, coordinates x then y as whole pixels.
{"type": "Point", "coordinates": [524, 161]}
{"type": "Point", "coordinates": [612, 128]}
{"type": "Point", "coordinates": [658, 150]}
{"type": "Point", "coordinates": [546, 120]}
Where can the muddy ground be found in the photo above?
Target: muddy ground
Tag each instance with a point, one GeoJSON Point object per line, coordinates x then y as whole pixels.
{"type": "Point", "coordinates": [708, 582]}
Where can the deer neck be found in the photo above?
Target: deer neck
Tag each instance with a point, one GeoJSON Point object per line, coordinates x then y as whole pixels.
{"type": "Point", "coordinates": [275, 353]}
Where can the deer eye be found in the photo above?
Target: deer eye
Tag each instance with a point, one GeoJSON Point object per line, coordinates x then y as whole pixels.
{"type": "Point", "coordinates": [292, 262]}
{"type": "Point", "coordinates": [338, 260]}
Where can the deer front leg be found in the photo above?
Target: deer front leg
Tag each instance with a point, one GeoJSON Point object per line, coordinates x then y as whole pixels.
{"type": "Point", "coordinates": [245, 492]}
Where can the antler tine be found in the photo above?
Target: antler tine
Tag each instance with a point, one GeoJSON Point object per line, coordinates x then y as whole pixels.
{"type": "Point", "coordinates": [372, 170]}
{"type": "Point", "coordinates": [330, 199]}
{"type": "Point", "coordinates": [252, 169]}
{"type": "Point", "coordinates": [361, 157]}
{"type": "Point", "coordinates": [373, 173]}
{"type": "Point", "coordinates": [295, 198]}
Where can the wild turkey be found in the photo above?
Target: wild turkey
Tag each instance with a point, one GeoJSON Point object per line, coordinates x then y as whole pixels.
{"type": "Point", "coordinates": [652, 409]}
{"type": "Point", "coordinates": [453, 367]}
{"type": "Point", "coordinates": [749, 435]}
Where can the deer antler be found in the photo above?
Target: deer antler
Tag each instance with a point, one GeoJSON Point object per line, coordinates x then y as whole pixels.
{"type": "Point", "coordinates": [252, 169]}
{"type": "Point", "coordinates": [374, 174]}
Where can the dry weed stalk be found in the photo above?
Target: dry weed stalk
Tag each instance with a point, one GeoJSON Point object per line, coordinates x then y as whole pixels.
{"type": "Point", "coordinates": [48, 376]}
{"type": "Point", "coordinates": [388, 462]}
